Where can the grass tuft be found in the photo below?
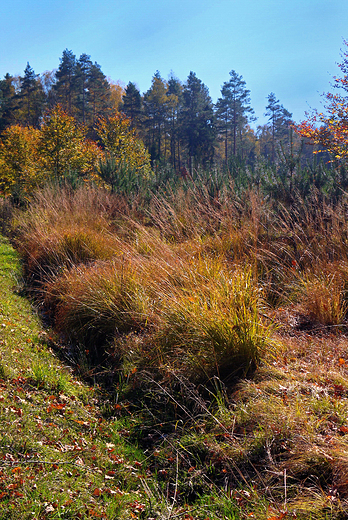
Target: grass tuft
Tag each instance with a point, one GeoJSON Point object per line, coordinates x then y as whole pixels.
{"type": "Point", "coordinates": [213, 326]}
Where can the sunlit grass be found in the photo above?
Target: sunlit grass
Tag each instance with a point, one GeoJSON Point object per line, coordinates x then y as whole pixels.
{"type": "Point", "coordinates": [213, 325]}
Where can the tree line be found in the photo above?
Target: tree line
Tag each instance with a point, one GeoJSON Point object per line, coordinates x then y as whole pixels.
{"type": "Point", "coordinates": [178, 122]}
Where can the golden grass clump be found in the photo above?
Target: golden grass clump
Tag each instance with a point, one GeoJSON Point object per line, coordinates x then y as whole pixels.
{"type": "Point", "coordinates": [95, 303]}
{"type": "Point", "coordinates": [322, 298]}
{"type": "Point", "coordinates": [212, 325]}
{"type": "Point", "coordinates": [201, 317]}
{"type": "Point", "coordinates": [64, 228]}
{"type": "Point", "coordinates": [48, 253]}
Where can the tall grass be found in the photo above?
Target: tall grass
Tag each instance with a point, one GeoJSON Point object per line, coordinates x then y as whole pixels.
{"type": "Point", "coordinates": [63, 228]}
{"type": "Point", "coordinates": [212, 326]}
{"type": "Point", "coordinates": [195, 276]}
{"type": "Point", "coordinates": [200, 317]}
{"type": "Point", "coordinates": [97, 302]}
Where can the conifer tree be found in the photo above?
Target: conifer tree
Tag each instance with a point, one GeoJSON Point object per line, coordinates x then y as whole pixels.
{"type": "Point", "coordinates": [279, 120]}
{"type": "Point", "coordinates": [83, 72]}
{"type": "Point", "coordinates": [65, 86]}
{"type": "Point", "coordinates": [174, 94]}
{"type": "Point", "coordinates": [98, 94]}
{"type": "Point", "coordinates": [30, 98]}
{"type": "Point", "coordinates": [7, 102]}
{"type": "Point", "coordinates": [197, 122]}
{"type": "Point", "coordinates": [132, 105]}
{"type": "Point", "coordinates": [155, 111]}
{"type": "Point", "coordinates": [233, 112]}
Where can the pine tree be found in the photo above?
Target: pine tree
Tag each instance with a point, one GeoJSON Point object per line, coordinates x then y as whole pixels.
{"type": "Point", "coordinates": [83, 72]}
{"type": "Point", "coordinates": [155, 111]}
{"type": "Point", "coordinates": [197, 123]}
{"type": "Point", "coordinates": [30, 98]}
{"type": "Point", "coordinates": [98, 94]}
{"type": "Point", "coordinates": [233, 112]}
{"type": "Point", "coordinates": [132, 105]}
{"type": "Point", "coordinates": [279, 120]}
{"type": "Point", "coordinates": [174, 94]}
{"type": "Point", "coordinates": [65, 86]}
{"type": "Point", "coordinates": [7, 102]}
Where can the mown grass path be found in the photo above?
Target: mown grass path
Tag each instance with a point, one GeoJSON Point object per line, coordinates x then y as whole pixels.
{"type": "Point", "coordinates": [58, 457]}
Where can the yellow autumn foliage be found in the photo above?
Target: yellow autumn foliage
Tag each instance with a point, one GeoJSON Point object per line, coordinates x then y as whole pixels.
{"type": "Point", "coordinates": [20, 171]}
{"type": "Point", "coordinates": [121, 143]}
{"type": "Point", "coordinates": [63, 146]}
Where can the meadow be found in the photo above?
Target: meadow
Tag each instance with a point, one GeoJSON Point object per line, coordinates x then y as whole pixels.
{"type": "Point", "coordinates": [208, 318]}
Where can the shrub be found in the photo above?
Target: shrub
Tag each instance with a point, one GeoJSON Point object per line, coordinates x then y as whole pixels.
{"type": "Point", "coordinates": [19, 170]}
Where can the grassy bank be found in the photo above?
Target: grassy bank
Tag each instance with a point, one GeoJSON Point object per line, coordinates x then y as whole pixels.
{"type": "Point", "coordinates": [59, 457]}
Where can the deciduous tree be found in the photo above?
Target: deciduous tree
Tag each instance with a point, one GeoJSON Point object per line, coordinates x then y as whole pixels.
{"type": "Point", "coordinates": [19, 166]}
{"type": "Point", "coordinates": [120, 143]}
{"type": "Point", "coordinates": [63, 146]}
{"type": "Point", "coordinates": [329, 129]}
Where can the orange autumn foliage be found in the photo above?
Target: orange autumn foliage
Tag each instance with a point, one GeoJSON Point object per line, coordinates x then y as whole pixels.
{"type": "Point", "coordinates": [329, 129]}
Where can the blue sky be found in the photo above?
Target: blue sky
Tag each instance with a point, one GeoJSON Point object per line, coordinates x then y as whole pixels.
{"type": "Point", "coordinates": [287, 47]}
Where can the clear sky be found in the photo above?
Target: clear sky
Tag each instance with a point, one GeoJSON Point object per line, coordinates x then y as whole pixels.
{"type": "Point", "coordinates": [289, 47]}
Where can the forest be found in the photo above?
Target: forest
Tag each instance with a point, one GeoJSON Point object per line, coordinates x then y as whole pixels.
{"type": "Point", "coordinates": [173, 301]}
{"type": "Point", "coordinates": [177, 122]}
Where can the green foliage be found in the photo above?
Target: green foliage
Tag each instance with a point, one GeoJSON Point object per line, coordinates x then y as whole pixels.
{"type": "Point", "coordinates": [233, 112]}
{"type": "Point", "coordinates": [7, 102]}
{"type": "Point", "coordinates": [121, 177]}
{"type": "Point", "coordinates": [197, 129]}
{"type": "Point", "coordinates": [132, 104]}
{"type": "Point", "coordinates": [30, 99]}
